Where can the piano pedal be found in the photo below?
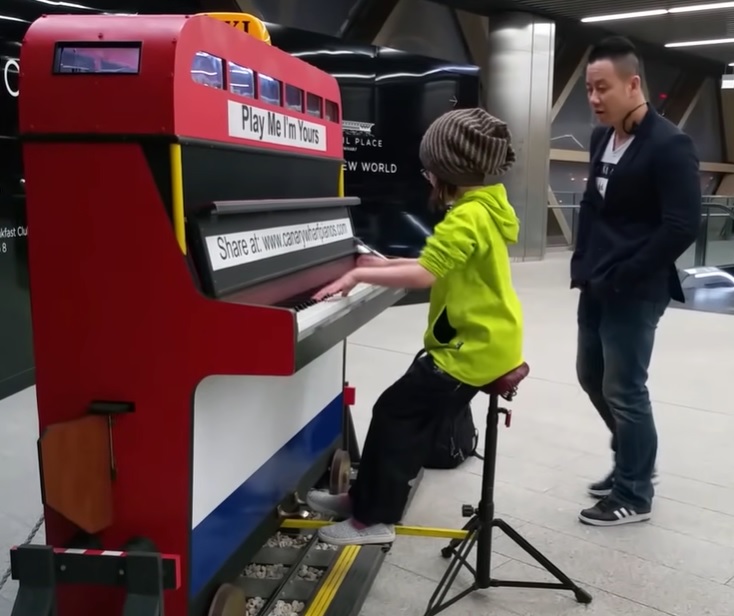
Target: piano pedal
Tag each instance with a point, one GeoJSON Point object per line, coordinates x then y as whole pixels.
{"type": "Point", "coordinates": [341, 471]}
{"type": "Point", "coordinates": [298, 514]}
{"type": "Point", "coordinates": [293, 508]}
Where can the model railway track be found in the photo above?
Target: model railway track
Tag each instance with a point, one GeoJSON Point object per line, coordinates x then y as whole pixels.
{"type": "Point", "coordinates": [294, 574]}
{"type": "Point", "coordinates": [285, 573]}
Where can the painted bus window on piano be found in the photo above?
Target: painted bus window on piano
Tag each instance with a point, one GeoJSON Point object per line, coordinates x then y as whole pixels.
{"type": "Point", "coordinates": [117, 59]}
{"type": "Point", "coordinates": [313, 105]}
{"type": "Point", "coordinates": [331, 111]}
{"type": "Point", "coordinates": [241, 80]}
{"type": "Point", "coordinates": [208, 70]}
{"type": "Point", "coordinates": [293, 98]}
{"type": "Point", "coordinates": [269, 89]}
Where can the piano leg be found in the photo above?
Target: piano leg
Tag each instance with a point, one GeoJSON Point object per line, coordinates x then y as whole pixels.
{"type": "Point", "coordinates": [351, 444]}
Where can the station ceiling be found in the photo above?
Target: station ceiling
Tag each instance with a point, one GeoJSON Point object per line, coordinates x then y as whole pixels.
{"type": "Point", "coordinates": [668, 22]}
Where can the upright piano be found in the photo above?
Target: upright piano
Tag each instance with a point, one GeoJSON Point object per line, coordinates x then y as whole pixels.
{"type": "Point", "coordinates": [185, 200]}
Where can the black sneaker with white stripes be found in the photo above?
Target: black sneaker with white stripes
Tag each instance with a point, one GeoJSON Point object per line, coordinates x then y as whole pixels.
{"type": "Point", "coordinates": [603, 488]}
{"type": "Point", "coordinates": [610, 512]}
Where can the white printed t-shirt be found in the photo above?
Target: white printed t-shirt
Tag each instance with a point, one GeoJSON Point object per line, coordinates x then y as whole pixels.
{"type": "Point", "coordinates": [609, 161]}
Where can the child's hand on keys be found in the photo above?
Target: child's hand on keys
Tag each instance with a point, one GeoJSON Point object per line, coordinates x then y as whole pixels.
{"type": "Point", "coordinates": [339, 287]}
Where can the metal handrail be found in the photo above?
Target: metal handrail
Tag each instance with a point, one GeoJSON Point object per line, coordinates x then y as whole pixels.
{"type": "Point", "coordinates": [727, 209]}
{"type": "Point", "coordinates": [711, 208]}
{"type": "Point", "coordinates": [702, 241]}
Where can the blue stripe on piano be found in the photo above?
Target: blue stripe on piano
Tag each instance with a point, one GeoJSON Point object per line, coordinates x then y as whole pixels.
{"type": "Point", "coordinates": [218, 535]}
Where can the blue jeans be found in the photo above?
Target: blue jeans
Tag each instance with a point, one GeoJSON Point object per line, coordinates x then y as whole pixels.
{"type": "Point", "coordinates": [616, 336]}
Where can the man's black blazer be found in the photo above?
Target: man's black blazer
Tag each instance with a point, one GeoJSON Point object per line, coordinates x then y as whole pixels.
{"type": "Point", "coordinates": [627, 243]}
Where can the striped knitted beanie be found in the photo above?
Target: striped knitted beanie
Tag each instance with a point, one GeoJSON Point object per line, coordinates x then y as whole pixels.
{"type": "Point", "coordinates": [464, 146]}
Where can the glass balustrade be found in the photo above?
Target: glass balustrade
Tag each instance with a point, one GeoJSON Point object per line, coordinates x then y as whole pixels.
{"type": "Point", "coordinates": [714, 246]}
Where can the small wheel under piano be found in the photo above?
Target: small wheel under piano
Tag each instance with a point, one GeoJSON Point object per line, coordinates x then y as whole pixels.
{"type": "Point", "coordinates": [341, 470]}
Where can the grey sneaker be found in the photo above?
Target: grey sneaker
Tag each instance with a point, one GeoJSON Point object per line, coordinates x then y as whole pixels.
{"type": "Point", "coordinates": [337, 506]}
{"type": "Point", "coordinates": [350, 533]}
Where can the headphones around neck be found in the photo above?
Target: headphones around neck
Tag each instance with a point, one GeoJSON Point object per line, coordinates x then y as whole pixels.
{"type": "Point", "coordinates": [632, 129]}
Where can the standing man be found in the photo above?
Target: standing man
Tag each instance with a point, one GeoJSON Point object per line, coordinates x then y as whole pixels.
{"type": "Point", "coordinates": [641, 210]}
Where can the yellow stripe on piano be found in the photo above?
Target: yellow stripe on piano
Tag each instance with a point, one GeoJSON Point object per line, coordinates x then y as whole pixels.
{"type": "Point", "coordinates": [177, 199]}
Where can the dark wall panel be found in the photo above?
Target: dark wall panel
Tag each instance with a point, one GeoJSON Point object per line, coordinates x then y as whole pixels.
{"type": "Point", "coordinates": [389, 98]}
{"type": "Point", "coordinates": [570, 51]}
{"type": "Point", "coordinates": [324, 17]}
{"type": "Point", "coordinates": [571, 129]}
{"type": "Point", "coordinates": [16, 349]}
{"type": "Point", "coordinates": [704, 124]}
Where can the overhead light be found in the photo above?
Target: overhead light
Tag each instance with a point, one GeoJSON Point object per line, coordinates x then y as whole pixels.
{"type": "Point", "coordinates": [616, 16]}
{"type": "Point", "coordinates": [723, 41]}
{"type": "Point", "coordinates": [8, 18]}
{"type": "Point", "coordinates": [714, 6]}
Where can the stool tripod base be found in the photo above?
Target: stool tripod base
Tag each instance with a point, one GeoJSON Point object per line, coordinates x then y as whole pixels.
{"type": "Point", "coordinates": [480, 534]}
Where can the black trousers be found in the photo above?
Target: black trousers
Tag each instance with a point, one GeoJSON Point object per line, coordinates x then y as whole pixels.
{"type": "Point", "coordinates": [400, 438]}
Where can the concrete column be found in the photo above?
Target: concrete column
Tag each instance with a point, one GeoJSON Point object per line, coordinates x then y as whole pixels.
{"type": "Point", "coordinates": [519, 90]}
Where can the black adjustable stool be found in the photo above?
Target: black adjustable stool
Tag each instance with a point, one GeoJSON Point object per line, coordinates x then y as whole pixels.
{"type": "Point", "coordinates": [482, 520]}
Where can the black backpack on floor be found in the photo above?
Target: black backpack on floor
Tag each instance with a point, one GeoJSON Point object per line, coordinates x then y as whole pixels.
{"type": "Point", "coordinates": [456, 440]}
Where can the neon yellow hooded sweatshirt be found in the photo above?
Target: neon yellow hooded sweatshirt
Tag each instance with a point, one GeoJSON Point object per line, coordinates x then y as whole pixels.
{"type": "Point", "coordinates": [475, 323]}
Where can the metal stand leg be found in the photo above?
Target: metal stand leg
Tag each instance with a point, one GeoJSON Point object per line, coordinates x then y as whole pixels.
{"type": "Point", "coordinates": [34, 568]}
{"type": "Point", "coordinates": [480, 526]}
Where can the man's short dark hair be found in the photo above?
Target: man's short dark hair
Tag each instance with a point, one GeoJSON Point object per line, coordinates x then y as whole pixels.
{"type": "Point", "coordinates": [620, 51]}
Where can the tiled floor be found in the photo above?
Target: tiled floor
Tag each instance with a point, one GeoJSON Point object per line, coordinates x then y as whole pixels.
{"type": "Point", "coordinates": [681, 564]}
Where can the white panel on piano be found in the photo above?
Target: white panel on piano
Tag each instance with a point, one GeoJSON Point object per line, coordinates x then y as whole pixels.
{"type": "Point", "coordinates": [241, 422]}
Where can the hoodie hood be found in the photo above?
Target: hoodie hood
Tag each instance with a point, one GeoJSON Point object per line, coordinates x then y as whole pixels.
{"type": "Point", "coordinates": [495, 201]}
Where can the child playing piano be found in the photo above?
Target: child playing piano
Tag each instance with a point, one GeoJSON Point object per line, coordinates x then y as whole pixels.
{"type": "Point", "coordinates": [475, 326]}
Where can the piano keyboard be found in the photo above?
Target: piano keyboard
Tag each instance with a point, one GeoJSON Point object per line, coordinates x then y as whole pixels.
{"type": "Point", "coordinates": [318, 246]}
{"type": "Point", "coordinates": [311, 315]}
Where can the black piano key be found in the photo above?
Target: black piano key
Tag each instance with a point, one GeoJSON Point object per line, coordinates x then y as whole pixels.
{"type": "Point", "coordinates": [300, 301]}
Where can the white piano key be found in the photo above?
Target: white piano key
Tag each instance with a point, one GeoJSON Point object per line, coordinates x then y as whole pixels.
{"type": "Point", "coordinates": [328, 310]}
